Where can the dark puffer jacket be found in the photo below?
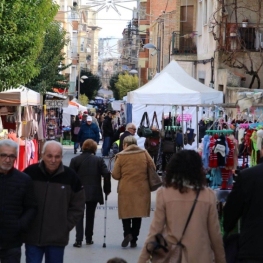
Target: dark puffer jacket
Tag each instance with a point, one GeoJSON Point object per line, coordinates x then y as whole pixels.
{"type": "Point", "coordinates": [61, 201]}
{"type": "Point", "coordinates": [17, 207]}
{"type": "Point", "coordinates": [89, 132]}
{"type": "Point", "coordinates": [90, 168]}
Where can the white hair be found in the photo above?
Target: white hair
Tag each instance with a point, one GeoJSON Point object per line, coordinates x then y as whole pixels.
{"type": "Point", "coordinates": [54, 143]}
{"type": "Point", "coordinates": [9, 143]}
{"type": "Point", "coordinates": [130, 125]}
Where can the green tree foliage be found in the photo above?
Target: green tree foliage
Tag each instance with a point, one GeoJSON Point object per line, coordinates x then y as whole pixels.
{"type": "Point", "coordinates": [126, 83]}
{"type": "Point", "coordinates": [113, 80]}
{"type": "Point", "coordinates": [22, 30]}
{"type": "Point", "coordinates": [83, 99]}
{"type": "Point", "coordinates": [90, 86]}
{"type": "Point", "coordinates": [50, 61]}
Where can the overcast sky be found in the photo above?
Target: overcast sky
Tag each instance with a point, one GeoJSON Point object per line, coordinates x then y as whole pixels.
{"type": "Point", "coordinates": [114, 28]}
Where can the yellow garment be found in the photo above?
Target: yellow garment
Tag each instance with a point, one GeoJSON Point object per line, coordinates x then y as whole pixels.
{"type": "Point", "coordinates": [253, 139]}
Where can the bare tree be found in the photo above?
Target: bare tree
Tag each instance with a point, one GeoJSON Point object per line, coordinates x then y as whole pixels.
{"type": "Point", "coordinates": [240, 45]}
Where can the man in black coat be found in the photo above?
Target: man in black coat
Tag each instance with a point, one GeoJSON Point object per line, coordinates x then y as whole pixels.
{"type": "Point", "coordinates": [245, 203]}
{"type": "Point", "coordinates": [107, 129]}
{"type": "Point", "coordinates": [130, 130]}
{"type": "Point", "coordinates": [17, 203]}
{"type": "Point", "coordinates": [90, 169]}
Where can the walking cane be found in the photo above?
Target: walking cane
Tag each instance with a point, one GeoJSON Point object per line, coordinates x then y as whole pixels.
{"type": "Point", "coordinates": [105, 207]}
{"type": "Point", "coordinates": [105, 220]}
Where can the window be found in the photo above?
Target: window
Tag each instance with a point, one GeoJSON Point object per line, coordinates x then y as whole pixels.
{"type": "Point", "coordinates": [202, 80]}
{"type": "Point", "coordinates": [199, 16]}
{"type": "Point", "coordinates": [204, 12]}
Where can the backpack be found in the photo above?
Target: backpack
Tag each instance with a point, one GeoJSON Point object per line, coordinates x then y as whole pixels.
{"type": "Point", "coordinates": [76, 130]}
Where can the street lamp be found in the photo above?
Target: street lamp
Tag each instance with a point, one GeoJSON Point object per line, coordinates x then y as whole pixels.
{"type": "Point", "coordinates": [157, 50]}
{"type": "Point", "coordinates": [81, 79]}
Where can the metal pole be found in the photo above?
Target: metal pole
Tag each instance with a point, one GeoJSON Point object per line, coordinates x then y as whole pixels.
{"type": "Point", "coordinates": [79, 84]}
{"type": "Point", "coordinates": [158, 54]}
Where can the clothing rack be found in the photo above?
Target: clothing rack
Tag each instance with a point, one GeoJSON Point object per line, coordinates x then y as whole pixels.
{"type": "Point", "coordinates": [219, 131]}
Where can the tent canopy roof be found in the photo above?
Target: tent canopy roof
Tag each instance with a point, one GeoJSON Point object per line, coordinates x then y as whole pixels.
{"type": "Point", "coordinates": [21, 96]}
{"type": "Point", "coordinates": [173, 86]}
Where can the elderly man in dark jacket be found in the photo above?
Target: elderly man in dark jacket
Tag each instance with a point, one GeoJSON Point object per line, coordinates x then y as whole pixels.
{"type": "Point", "coordinates": [89, 131]}
{"type": "Point", "coordinates": [90, 169]}
{"type": "Point", "coordinates": [60, 197]}
{"type": "Point", "coordinates": [245, 202]}
{"type": "Point", "coordinates": [17, 203]}
{"type": "Point", "coordinates": [130, 130]}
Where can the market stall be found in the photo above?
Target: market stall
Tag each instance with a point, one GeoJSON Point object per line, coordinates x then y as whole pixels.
{"type": "Point", "coordinates": [19, 119]}
{"type": "Point", "coordinates": [173, 87]}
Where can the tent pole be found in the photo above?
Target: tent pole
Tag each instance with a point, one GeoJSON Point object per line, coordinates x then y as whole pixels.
{"type": "Point", "coordinates": [183, 124]}
{"type": "Point", "coordinates": [197, 130]}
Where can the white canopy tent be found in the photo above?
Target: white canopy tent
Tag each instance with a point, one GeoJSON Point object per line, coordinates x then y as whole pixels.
{"type": "Point", "coordinates": [67, 112]}
{"type": "Point", "coordinates": [172, 87]}
{"type": "Point", "coordinates": [21, 96]}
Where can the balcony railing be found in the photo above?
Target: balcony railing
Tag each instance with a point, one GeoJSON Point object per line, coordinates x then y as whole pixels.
{"type": "Point", "coordinates": [241, 37]}
{"type": "Point", "coordinates": [183, 43]}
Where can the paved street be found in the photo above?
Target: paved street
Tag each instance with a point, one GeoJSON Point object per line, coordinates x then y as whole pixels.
{"type": "Point", "coordinates": [114, 235]}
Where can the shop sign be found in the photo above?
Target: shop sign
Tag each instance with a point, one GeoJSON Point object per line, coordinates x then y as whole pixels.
{"type": "Point", "coordinates": [56, 103]}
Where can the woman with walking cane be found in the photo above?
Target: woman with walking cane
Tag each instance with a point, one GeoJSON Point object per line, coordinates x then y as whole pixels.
{"type": "Point", "coordinates": [90, 169]}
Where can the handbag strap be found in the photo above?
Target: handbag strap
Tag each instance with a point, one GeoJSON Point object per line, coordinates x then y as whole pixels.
{"type": "Point", "coordinates": [145, 119]}
{"type": "Point", "coordinates": [155, 119]}
{"type": "Point", "coordinates": [190, 215]}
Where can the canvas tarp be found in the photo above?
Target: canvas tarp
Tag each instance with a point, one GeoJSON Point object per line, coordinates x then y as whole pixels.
{"type": "Point", "coordinates": [173, 86]}
{"type": "Point", "coordinates": [21, 96]}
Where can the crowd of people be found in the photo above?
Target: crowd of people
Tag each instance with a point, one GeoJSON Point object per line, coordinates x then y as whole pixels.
{"type": "Point", "coordinates": [41, 205]}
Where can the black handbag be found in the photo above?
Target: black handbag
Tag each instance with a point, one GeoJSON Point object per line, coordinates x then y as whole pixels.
{"type": "Point", "coordinates": [144, 129]}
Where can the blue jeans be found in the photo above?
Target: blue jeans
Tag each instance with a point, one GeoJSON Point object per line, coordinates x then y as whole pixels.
{"type": "Point", "coordinates": [53, 254]}
{"type": "Point", "coordinates": [76, 145]}
{"type": "Point", "coordinates": [11, 255]}
{"type": "Point", "coordinates": [106, 146]}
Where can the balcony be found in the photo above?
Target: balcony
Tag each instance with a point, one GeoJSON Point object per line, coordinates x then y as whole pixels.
{"type": "Point", "coordinates": [241, 37]}
{"type": "Point", "coordinates": [183, 43]}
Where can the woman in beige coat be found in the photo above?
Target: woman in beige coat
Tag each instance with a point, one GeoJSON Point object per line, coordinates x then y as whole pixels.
{"type": "Point", "coordinates": [134, 196]}
{"type": "Point", "coordinates": [202, 239]}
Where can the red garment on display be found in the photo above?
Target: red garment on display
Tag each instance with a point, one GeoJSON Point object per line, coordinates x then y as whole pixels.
{"type": "Point", "coordinates": [212, 155]}
{"type": "Point", "coordinates": [230, 156]}
{"type": "Point", "coordinates": [22, 162]}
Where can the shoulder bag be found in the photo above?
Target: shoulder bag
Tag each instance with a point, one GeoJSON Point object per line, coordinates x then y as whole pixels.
{"type": "Point", "coordinates": [144, 129]}
{"type": "Point", "coordinates": [162, 252]}
{"type": "Point", "coordinates": [153, 178]}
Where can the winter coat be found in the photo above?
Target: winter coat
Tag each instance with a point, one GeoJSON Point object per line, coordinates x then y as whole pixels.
{"type": "Point", "coordinates": [125, 134]}
{"type": "Point", "coordinates": [107, 127]}
{"type": "Point", "coordinates": [202, 239]}
{"type": "Point", "coordinates": [74, 137]}
{"type": "Point", "coordinates": [89, 132]}
{"type": "Point", "coordinates": [61, 201]}
{"type": "Point", "coordinates": [18, 207]}
{"type": "Point", "coordinates": [134, 196]}
{"type": "Point", "coordinates": [90, 170]}
{"type": "Point", "coordinates": [245, 202]}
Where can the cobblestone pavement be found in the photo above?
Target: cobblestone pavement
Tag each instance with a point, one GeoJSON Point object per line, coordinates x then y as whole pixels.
{"type": "Point", "coordinates": [114, 235]}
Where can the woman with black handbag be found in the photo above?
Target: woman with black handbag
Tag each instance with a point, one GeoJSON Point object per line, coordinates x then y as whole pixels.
{"type": "Point", "coordinates": [186, 218]}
